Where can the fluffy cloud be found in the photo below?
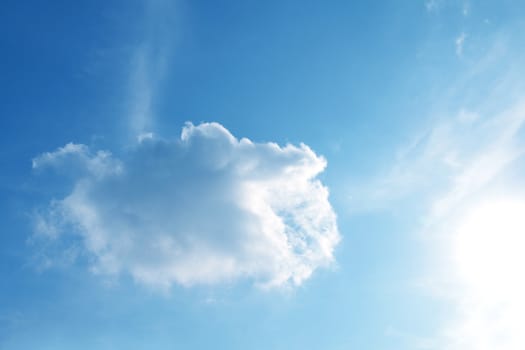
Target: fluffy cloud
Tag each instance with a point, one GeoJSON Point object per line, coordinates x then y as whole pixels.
{"type": "Point", "coordinates": [202, 209]}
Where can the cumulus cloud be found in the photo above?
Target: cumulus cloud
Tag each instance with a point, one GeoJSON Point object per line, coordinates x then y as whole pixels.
{"type": "Point", "coordinates": [202, 209]}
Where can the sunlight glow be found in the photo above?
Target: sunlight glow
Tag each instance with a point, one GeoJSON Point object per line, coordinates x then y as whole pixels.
{"type": "Point", "coordinates": [489, 247]}
{"type": "Point", "coordinates": [490, 264]}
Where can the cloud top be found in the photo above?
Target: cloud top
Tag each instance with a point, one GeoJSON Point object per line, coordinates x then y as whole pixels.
{"type": "Point", "coordinates": [203, 209]}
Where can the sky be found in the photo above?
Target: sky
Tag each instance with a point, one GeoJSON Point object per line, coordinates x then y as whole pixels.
{"type": "Point", "coordinates": [262, 175]}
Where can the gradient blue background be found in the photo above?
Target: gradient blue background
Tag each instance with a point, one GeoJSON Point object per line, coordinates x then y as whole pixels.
{"type": "Point", "coordinates": [351, 79]}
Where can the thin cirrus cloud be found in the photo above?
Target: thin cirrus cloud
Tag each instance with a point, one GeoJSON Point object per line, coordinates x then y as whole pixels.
{"type": "Point", "coordinates": [149, 64]}
{"type": "Point", "coordinates": [473, 134]}
{"type": "Point", "coordinates": [203, 209]}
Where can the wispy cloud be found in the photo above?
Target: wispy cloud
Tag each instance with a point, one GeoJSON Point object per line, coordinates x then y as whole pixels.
{"type": "Point", "coordinates": [475, 122]}
{"type": "Point", "coordinates": [499, 146]}
{"type": "Point", "coordinates": [466, 8]}
{"type": "Point", "coordinates": [142, 89]}
{"type": "Point", "coordinates": [461, 173]}
{"type": "Point", "coordinates": [203, 209]}
{"type": "Point", "coordinates": [149, 64]}
{"type": "Point", "coordinates": [437, 5]}
{"type": "Point", "coordinates": [462, 154]}
{"type": "Point", "coordinates": [432, 5]}
{"type": "Point", "coordinates": [460, 42]}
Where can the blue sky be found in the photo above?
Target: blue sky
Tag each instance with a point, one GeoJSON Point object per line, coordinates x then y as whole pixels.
{"type": "Point", "coordinates": [262, 175]}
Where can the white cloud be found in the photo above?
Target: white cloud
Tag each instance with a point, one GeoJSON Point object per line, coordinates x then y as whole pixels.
{"type": "Point", "coordinates": [203, 209]}
{"type": "Point", "coordinates": [74, 159]}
